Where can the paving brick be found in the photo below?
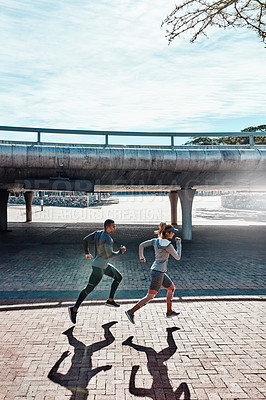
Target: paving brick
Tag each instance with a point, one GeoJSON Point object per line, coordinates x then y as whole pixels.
{"type": "Point", "coordinates": [220, 344]}
{"type": "Point", "coordinates": [213, 396]}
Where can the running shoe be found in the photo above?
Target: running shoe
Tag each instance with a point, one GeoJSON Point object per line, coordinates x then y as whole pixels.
{"type": "Point", "coordinates": [72, 314]}
{"type": "Point", "coordinates": [130, 316]}
{"type": "Point", "coordinates": [172, 314]}
{"type": "Point", "coordinates": [112, 304]}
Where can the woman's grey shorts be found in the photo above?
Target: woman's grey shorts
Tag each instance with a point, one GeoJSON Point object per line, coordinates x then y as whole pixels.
{"type": "Point", "coordinates": [159, 279]}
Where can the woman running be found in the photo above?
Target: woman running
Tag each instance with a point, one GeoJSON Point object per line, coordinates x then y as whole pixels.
{"type": "Point", "coordinates": [162, 247]}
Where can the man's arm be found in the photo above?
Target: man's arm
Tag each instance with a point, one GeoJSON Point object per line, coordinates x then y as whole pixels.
{"type": "Point", "coordinates": [86, 240]}
{"type": "Point", "coordinates": [110, 253]}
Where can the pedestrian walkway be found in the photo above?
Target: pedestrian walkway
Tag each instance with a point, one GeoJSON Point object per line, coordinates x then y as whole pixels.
{"type": "Point", "coordinates": [215, 349]}
{"type": "Point", "coordinates": [42, 261]}
{"type": "Point", "coordinates": [216, 352]}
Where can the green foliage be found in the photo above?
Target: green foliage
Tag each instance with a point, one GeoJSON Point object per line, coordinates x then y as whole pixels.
{"type": "Point", "coordinates": [203, 141]}
{"type": "Point", "coordinates": [231, 140]}
{"type": "Point", "coordinates": [260, 128]}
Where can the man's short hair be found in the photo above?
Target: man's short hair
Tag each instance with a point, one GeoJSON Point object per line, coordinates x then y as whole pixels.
{"type": "Point", "coordinates": [108, 222]}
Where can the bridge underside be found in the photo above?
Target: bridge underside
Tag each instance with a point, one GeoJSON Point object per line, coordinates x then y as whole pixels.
{"type": "Point", "coordinates": [226, 167]}
{"type": "Point", "coordinates": [55, 168]}
{"type": "Point", "coordinates": [128, 181]}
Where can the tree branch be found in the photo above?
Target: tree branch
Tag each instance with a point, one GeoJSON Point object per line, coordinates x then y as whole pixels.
{"type": "Point", "coordinates": [223, 14]}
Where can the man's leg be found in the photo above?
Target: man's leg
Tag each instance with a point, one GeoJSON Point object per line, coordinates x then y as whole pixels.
{"type": "Point", "coordinates": [95, 278]}
{"type": "Point", "coordinates": [112, 272]}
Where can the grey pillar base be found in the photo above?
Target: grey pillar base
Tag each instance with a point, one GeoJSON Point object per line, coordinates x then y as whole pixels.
{"type": "Point", "coordinates": [3, 210]}
{"type": "Point", "coordinates": [186, 198]}
{"type": "Point", "coordinates": [173, 197]}
{"type": "Point", "coordinates": [28, 200]}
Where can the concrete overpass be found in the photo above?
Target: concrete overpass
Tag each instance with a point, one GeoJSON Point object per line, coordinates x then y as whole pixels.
{"type": "Point", "coordinates": [36, 166]}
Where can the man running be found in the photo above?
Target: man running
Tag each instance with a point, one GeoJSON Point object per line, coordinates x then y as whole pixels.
{"type": "Point", "coordinates": [103, 244]}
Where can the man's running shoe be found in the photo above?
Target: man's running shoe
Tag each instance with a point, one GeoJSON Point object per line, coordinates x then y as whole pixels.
{"type": "Point", "coordinates": [72, 314]}
{"type": "Point", "coordinates": [172, 314]}
{"type": "Point", "coordinates": [112, 304]}
{"type": "Point", "coordinates": [130, 316]}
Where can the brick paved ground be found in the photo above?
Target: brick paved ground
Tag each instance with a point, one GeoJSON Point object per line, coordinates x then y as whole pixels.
{"type": "Point", "coordinates": [217, 352]}
{"type": "Point", "coordinates": [38, 261]}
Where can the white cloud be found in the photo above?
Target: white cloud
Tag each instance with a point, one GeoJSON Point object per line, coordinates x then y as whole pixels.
{"type": "Point", "coordinates": [96, 65]}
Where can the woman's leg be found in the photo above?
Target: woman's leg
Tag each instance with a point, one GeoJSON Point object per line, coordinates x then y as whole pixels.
{"type": "Point", "coordinates": [156, 282]}
{"type": "Point", "coordinates": [170, 287]}
{"type": "Point", "coordinates": [150, 295]}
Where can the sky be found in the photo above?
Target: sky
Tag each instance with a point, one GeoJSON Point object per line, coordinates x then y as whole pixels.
{"type": "Point", "coordinates": [102, 65]}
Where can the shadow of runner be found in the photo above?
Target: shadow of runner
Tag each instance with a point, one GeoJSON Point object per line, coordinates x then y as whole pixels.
{"type": "Point", "coordinates": [158, 371]}
{"type": "Point", "coordinates": [81, 371]}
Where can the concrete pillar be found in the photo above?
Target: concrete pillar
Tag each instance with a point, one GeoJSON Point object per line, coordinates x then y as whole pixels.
{"type": "Point", "coordinates": [3, 210]}
{"type": "Point", "coordinates": [173, 197]}
{"type": "Point", "coordinates": [28, 200]}
{"type": "Point", "coordinates": [186, 198]}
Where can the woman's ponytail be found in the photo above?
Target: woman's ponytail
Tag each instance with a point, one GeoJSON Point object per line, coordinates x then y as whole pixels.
{"type": "Point", "coordinates": [162, 227]}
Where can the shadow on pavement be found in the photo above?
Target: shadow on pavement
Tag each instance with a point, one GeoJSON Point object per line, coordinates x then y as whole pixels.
{"type": "Point", "coordinates": [80, 372]}
{"type": "Point", "coordinates": [158, 371]}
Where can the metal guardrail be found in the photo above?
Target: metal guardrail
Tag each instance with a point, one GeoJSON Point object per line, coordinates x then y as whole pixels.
{"type": "Point", "coordinates": [172, 135]}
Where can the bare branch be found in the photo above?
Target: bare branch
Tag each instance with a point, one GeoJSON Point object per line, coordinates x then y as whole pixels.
{"type": "Point", "coordinates": [196, 16]}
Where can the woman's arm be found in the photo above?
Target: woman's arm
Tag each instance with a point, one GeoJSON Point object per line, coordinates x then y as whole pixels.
{"type": "Point", "coordinates": [175, 253]}
{"type": "Point", "coordinates": [147, 243]}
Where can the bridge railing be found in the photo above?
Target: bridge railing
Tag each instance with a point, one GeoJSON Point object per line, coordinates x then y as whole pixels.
{"type": "Point", "coordinates": [107, 134]}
